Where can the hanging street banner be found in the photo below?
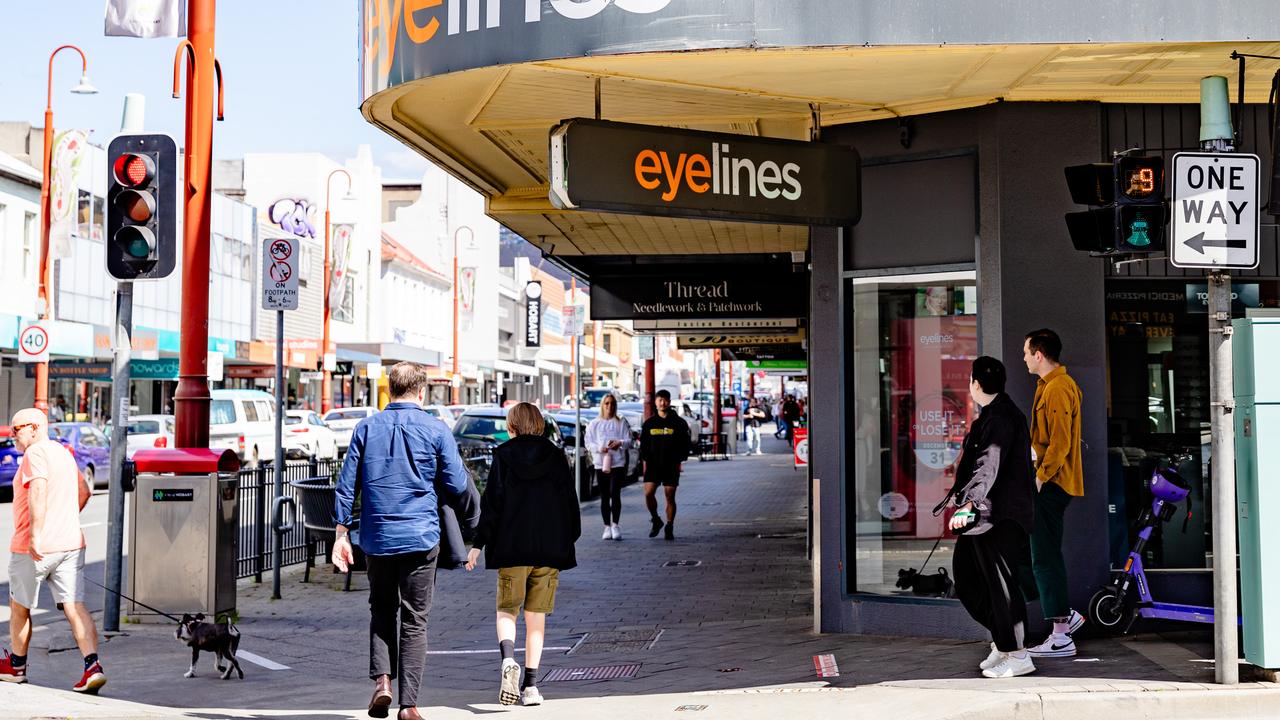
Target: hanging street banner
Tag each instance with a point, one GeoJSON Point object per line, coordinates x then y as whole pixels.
{"type": "Point", "coordinates": [533, 314]}
{"type": "Point", "coordinates": [64, 200]}
{"type": "Point", "coordinates": [1214, 211]}
{"type": "Point", "coordinates": [651, 170]}
{"type": "Point", "coordinates": [700, 292]}
{"type": "Point", "coordinates": [341, 263]}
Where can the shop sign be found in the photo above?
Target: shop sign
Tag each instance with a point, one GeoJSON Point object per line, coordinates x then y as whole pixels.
{"type": "Point", "coordinates": [164, 369]}
{"type": "Point", "coordinates": [801, 447]}
{"type": "Point", "coordinates": [800, 365]}
{"type": "Point", "coordinates": [651, 170]}
{"type": "Point", "coordinates": [1243, 295]}
{"type": "Point", "coordinates": [75, 371]}
{"type": "Point", "coordinates": [742, 324]}
{"type": "Point", "coordinates": [533, 314]}
{"type": "Point", "coordinates": [249, 371]}
{"type": "Point", "coordinates": [687, 291]}
{"type": "Point", "coordinates": [772, 351]}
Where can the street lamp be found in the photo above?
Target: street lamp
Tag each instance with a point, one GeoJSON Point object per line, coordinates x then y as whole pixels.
{"type": "Point", "coordinates": [326, 387]}
{"type": "Point", "coordinates": [457, 384]}
{"type": "Point", "coordinates": [84, 87]}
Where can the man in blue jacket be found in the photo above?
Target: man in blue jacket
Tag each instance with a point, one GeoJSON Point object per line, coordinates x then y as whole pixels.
{"type": "Point", "coordinates": [399, 459]}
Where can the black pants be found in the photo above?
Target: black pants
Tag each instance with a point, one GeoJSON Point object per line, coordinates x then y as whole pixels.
{"type": "Point", "coordinates": [611, 493]}
{"type": "Point", "coordinates": [402, 583]}
{"type": "Point", "coordinates": [1047, 561]}
{"type": "Point", "coordinates": [986, 576]}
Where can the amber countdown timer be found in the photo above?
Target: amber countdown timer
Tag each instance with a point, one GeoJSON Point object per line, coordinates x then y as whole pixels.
{"type": "Point", "coordinates": [1141, 178]}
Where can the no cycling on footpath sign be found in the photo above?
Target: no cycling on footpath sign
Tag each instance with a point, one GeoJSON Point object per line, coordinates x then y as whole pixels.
{"type": "Point", "coordinates": [280, 274]}
{"type": "Point", "coordinates": [1214, 221]}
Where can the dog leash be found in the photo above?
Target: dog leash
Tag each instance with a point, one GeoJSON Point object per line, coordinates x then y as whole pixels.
{"type": "Point", "coordinates": [135, 602]}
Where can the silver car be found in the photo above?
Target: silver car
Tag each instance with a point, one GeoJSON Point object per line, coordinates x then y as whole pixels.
{"type": "Point", "coordinates": [342, 421]}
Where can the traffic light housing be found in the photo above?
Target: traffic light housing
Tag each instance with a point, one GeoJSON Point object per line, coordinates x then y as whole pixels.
{"type": "Point", "coordinates": [1127, 212]}
{"type": "Point", "coordinates": [142, 206]}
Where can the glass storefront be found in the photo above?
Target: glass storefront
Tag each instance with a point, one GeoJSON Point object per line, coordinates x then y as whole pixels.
{"type": "Point", "coordinates": [1158, 407]}
{"type": "Point", "coordinates": [914, 341]}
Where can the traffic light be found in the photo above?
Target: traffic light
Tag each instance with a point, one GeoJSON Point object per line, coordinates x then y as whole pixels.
{"type": "Point", "coordinates": [1127, 208]}
{"type": "Point", "coordinates": [142, 206]}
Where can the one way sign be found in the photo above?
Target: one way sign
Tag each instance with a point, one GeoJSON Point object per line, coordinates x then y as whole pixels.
{"type": "Point", "coordinates": [1215, 211]}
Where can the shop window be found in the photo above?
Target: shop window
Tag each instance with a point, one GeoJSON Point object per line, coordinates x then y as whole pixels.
{"type": "Point", "coordinates": [29, 242]}
{"type": "Point", "coordinates": [913, 344]}
{"type": "Point", "coordinates": [1158, 408]}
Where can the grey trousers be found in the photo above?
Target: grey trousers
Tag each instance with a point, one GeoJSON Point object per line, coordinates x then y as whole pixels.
{"type": "Point", "coordinates": [401, 584]}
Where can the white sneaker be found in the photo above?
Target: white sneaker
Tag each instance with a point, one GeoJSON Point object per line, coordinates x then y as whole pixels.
{"type": "Point", "coordinates": [531, 696]}
{"type": "Point", "coordinates": [607, 534]}
{"type": "Point", "coordinates": [1054, 646]}
{"type": "Point", "coordinates": [1011, 666]}
{"type": "Point", "coordinates": [1075, 621]}
{"type": "Point", "coordinates": [615, 531]}
{"type": "Point", "coordinates": [509, 691]}
{"type": "Point", "coordinates": [992, 660]}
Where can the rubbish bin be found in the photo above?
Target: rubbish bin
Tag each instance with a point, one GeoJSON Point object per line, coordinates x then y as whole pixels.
{"type": "Point", "coordinates": [184, 526]}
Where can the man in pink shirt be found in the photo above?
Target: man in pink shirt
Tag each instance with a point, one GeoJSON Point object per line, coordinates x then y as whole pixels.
{"type": "Point", "coordinates": [47, 546]}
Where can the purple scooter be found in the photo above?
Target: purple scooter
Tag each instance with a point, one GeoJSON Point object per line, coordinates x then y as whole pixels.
{"type": "Point", "coordinates": [1111, 606]}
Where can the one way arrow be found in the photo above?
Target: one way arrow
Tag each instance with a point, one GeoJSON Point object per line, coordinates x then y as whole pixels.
{"type": "Point", "coordinates": [1198, 243]}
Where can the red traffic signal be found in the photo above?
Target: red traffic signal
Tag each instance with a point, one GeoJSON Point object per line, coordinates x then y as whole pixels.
{"type": "Point", "coordinates": [133, 170]}
{"type": "Point", "coordinates": [142, 206]}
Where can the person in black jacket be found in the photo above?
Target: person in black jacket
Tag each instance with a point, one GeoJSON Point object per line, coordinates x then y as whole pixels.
{"type": "Point", "coordinates": [529, 521]}
{"type": "Point", "coordinates": [995, 498]}
{"type": "Point", "coordinates": [664, 446]}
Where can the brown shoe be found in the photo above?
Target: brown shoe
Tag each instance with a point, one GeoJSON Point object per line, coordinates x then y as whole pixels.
{"type": "Point", "coordinates": [409, 713]}
{"type": "Point", "coordinates": [380, 705]}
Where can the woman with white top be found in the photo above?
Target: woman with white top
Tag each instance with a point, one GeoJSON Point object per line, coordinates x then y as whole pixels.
{"type": "Point", "coordinates": [607, 439]}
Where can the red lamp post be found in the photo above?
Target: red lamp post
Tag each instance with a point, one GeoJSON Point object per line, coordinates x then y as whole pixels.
{"type": "Point", "coordinates": [326, 387]}
{"type": "Point", "coordinates": [455, 379]}
{"type": "Point", "coordinates": [46, 218]}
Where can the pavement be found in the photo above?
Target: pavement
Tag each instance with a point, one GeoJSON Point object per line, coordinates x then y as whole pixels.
{"type": "Point", "coordinates": [724, 633]}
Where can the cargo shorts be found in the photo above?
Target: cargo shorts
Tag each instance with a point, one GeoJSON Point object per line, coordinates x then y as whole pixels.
{"type": "Point", "coordinates": [533, 588]}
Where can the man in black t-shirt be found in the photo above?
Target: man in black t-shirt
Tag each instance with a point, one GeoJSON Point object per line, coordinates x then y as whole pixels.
{"type": "Point", "coordinates": [664, 446]}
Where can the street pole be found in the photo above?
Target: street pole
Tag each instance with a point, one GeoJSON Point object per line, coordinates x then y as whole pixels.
{"type": "Point", "coordinates": [191, 401]}
{"type": "Point", "coordinates": [44, 304]}
{"type": "Point", "coordinates": [650, 379]}
{"type": "Point", "coordinates": [1216, 136]}
{"type": "Point", "coordinates": [454, 383]}
{"type": "Point", "coordinates": [577, 420]}
{"type": "Point", "coordinates": [716, 426]}
{"type": "Point", "coordinates": [277, 549]}
{"type": "Point", "coordinates": [132, 121]}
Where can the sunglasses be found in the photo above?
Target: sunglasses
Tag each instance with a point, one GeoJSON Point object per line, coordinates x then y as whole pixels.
{"type": "Point", "coordinates": [19, 428]}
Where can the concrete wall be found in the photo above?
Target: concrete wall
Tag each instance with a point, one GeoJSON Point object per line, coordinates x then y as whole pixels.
{"type": "Point", "coordinates": [1028, 277]}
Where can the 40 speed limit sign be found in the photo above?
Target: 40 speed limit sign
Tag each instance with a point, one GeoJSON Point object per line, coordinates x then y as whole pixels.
{"type": "Point", "coordinates": [33, 344]}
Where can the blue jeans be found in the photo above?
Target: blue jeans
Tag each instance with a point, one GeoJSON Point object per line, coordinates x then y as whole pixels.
{"type": "Point", "coordinates": [753, 439]}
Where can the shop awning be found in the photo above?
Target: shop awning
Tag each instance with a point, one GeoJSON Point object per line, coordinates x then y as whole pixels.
{"type": "Point", "coordinates": [346, 353]}
{"type": "Point", "coordinates": [515, 368]}
{"type": "Point", "coordinates": [391, 353]}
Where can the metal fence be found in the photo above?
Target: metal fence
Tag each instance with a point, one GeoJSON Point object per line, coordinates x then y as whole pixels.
{"type": "Point", "coordinates": [257, 489]}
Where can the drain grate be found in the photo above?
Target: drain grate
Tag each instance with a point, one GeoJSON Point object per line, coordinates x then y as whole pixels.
{"type": "Point", "coordinates": [780, 536]}
{"type": "Point", "coordinates": [616, 641]}
{"type": "Point", "coordinates": [682, 563]}
{"type": "Point", "coordinates": [604, 672]}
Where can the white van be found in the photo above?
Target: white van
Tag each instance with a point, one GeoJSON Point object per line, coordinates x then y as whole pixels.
{"type": "Point", "coordinates": [244, 421]}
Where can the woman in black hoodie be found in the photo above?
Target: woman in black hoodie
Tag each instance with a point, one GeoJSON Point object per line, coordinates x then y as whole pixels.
{"type": "Point", "coordinates": [529, 521]}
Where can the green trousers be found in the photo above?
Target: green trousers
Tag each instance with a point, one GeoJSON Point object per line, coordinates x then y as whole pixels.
{"type": "Point", "coordinates": [1047, 562]}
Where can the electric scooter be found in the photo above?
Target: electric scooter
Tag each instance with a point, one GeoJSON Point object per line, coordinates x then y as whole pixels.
{"type": "Point", "coordinates": [1114, 604]}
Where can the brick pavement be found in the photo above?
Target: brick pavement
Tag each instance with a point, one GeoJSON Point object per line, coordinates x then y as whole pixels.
{"type": "Point", "coordinates": [740, 619]}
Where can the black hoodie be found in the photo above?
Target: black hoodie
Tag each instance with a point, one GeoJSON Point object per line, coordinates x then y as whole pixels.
{"type": "Point", "coordinates": [529, 512]}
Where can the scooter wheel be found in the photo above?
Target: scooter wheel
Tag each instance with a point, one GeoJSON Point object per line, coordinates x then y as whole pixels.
{"type": "Point", "coordinates": [1108, 610]}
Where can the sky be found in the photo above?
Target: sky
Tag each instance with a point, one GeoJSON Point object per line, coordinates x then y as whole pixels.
{"type": "Point", "coordinates": [291, 69]}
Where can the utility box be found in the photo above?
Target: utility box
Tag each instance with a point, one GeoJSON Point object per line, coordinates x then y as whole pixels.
{"type": "Point", "coordinates": [1256, 346]}
{"type": "Point", "coordinates": [184, 525]}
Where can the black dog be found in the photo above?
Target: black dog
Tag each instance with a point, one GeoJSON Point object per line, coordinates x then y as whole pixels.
{"type": "Point", "coordinates": [938, 583]}
{"type": "Point", "coordinates": [222, 639]}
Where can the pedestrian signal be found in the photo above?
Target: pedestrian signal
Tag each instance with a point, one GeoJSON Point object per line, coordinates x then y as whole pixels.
{"type": "Point", "coordinates": [1127, 213]}
{"type": "Point", "coordinates": [142, 206]}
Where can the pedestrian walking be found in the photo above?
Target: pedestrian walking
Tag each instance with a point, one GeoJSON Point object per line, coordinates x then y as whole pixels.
{"type": "Point", "coordinates": [608, 437]}
{"type": "Point", "coordinates": [58, 411]}
{"type": "Point", "coordinates": [1056, 452]}
{"type": "Point", "coordinates": [995, 499]}
{"type": "Point", "coordinates": [529, 522]}
{"type": "Point", "coordinates": [402, 462]}
{"type": "Point", "coordinates": [791, 417]}
{"type": "Point", "coordinates": [664, 446]}
{"type": "Point", "coordinates": [754, 418]}
{"type": "Point", "coordinates": [47, 546]}
{"type": "Point", "coordinates": [780, 422]}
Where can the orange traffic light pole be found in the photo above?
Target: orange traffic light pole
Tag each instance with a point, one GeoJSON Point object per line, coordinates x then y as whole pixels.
{"type": "Point", "coordinates": [191, 401]}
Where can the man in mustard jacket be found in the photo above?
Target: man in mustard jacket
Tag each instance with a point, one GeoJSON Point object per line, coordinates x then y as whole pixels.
{"type": "Point", "coordinates": [1056, 452]}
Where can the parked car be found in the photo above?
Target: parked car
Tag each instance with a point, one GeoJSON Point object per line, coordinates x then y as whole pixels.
{"type": "Point", "coordinates": [344, 420]}
{"type": "Point", "coordinates": [11, 458]}
{"type": "Point", "coordinates": [443, 413]}
{"type": "Point", "coordinates": [565, 420]}
{"type": "Point", "coordinates": [146, 432]}
{"type": "Point", "coordinates": [482, 428]}
{"type": "Point", "coordinates": [90, 447]}
{"type": "Point", "coordinates": [306, 436]}
{"type": "Point", "coordinates": [244, 421]}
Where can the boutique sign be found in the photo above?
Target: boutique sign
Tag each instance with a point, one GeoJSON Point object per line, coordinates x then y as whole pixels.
{"type": "Point", "coordinates": [649, 170]}
{"type": "Point", "coordinates": [686, 292]}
